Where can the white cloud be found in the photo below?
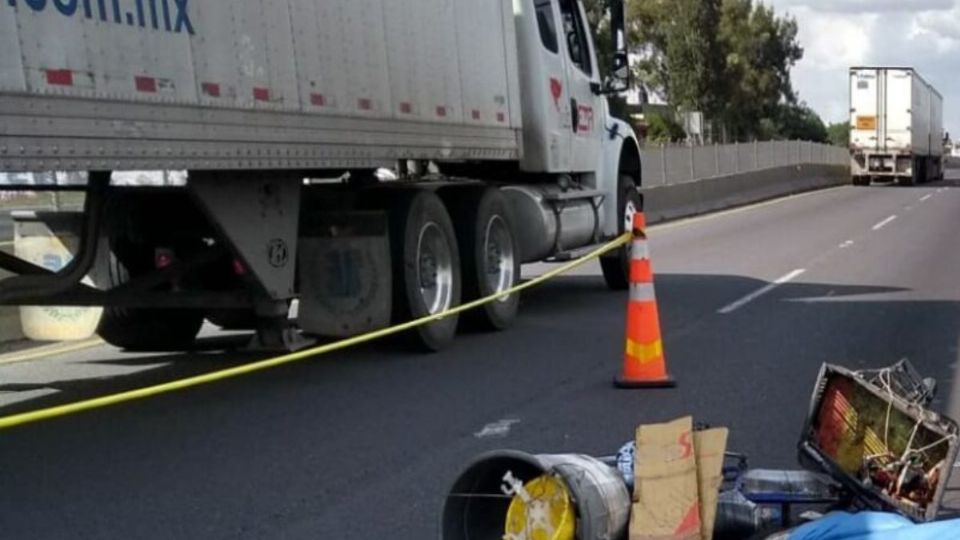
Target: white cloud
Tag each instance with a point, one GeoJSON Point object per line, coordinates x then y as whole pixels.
{"type": "Point", "coordinates": [837, 34]}
{"type": "Point", "coordinates": [860, 7]}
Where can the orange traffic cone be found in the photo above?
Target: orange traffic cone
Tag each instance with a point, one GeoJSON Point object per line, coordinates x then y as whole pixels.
{"type": "Point", "coordinates": [643, 363]}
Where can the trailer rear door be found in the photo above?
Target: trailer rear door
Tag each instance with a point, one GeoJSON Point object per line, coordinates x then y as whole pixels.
{"type": "Point", "coordinates": [905, 110]}
{"type": "Point", "coordinates": [865, 111]}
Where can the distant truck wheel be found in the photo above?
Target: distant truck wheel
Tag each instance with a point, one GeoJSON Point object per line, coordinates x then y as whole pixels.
{"type": "Point", "coordinates": [143, 329]}
{"type": "Point", "coordinates": [426, 267]}
{"type": "Point", "coordinates": [489, 254]}
{"type": "Point", "coordinates": [616, 267]}
{"type": "Point", "coordinates": [861, 180]}
{"type": "Point", "coordinates": [905, 181]}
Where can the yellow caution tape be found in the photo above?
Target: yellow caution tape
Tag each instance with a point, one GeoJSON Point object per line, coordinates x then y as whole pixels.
{"type": "Point", "coordinates": [197, 380]}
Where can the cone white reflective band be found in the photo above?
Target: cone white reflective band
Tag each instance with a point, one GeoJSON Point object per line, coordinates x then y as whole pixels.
{"type": "Point", "coordinates": [642, 292]}
{"type": "Point", "coordinates": [639, 250]}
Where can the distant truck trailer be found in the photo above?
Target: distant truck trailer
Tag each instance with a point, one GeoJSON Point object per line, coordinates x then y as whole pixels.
{"type": "Point", "coordinates": [896, 126]}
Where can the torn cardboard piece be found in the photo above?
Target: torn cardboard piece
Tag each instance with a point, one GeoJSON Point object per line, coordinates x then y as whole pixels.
{"type": "Point", "coordinates": [710, 447]}
{"type": "Point", "coordinates": [666, 489]}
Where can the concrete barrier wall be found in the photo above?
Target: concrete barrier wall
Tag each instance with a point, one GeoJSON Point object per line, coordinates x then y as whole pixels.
{"type": "Point", "coordinates": [696, 197]}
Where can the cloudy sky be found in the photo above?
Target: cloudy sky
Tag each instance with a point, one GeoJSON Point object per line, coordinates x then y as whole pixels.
{"type": "Point", "coordinates": [837, 34]}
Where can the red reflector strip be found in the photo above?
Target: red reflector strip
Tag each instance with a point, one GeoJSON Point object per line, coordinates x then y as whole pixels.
{"type": "Point", "coordinates": [501, 117]}
{"type": "Point", "coordinates": [59, 77]}
{"type": "Point", "coordinates": [210, 89]}
{"type": "Point", "coordinates": [406, 108]}
{"type": "Point", "coordinates": [146, 84]}
{"type": "Point", "coordinates": [476, 114]}
{"type": "Point", "coordinates": [318, 100]}
{"type": "Point", "coordinates": [364, 104]}
{"type": "Point", "coordinates": [261, 94]}
{"type": "Point", "coordinates": [441, 111]}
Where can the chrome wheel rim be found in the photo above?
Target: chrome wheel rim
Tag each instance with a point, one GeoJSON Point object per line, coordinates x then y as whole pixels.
{"type": "Point", "coordinates": [629, 210]}
{"type": "Point", "coordinates": [434, 269]}
{"type": "Point", "coordinates": [498, 257]}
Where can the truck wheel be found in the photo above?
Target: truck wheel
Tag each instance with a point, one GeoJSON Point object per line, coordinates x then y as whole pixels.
{"type": "Point", "coordinates": [143, 329]}
{"type": "Point", "coordinates": [488, 249]}
{"type": "Point", "coordinates": [426, 267]}
{"type": "Point", "coordinates": [861, 180]}
{"type": "Point", "coordinates": [616, 267]}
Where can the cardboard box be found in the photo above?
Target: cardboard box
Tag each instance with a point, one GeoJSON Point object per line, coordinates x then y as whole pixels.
{"type": "Point", "coordinates": [666, 491]}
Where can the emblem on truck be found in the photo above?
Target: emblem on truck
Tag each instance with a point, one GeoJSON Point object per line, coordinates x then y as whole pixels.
{"type": "Point", "coordinates": [168, 15]}
{"type": "Point", "coordinates": [277, 253]}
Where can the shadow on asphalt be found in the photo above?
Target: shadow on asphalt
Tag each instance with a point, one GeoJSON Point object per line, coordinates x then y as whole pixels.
{"type": "Point", "coordinates": [312, 423]}
{"type": "Point", "coordinates": [852, 325]}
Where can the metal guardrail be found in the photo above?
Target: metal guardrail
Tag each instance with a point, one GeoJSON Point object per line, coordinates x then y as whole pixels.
{"type": "Point", "coordinates": [668, 165]}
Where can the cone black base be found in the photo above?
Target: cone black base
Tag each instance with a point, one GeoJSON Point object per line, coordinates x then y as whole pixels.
{"type": "Point", "coordinates": [669, 382]}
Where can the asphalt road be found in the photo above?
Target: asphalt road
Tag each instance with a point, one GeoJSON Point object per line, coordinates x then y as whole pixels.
{"type": "Point", "coordinates": [364, 444]}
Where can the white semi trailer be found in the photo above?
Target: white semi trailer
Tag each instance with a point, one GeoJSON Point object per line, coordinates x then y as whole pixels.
{"type": "Point", "coordinates": [492, 114]}
{"type": "Point", "coordinates": [896, 126]}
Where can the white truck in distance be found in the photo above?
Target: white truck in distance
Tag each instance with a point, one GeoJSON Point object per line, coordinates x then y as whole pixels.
{"type": "Point", "coordinates": [492, 113]}
{"type": "Point", "coordinates": [896, 126]}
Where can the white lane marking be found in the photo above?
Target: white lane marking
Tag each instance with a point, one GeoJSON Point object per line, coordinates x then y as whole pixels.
{"type": "Point", "coordinates": [730, 308]}
{"type": "Point", "coordinates": [846, 244]}
{"type": "Point", "coordinates": [925, 197]}
{"type": "Point", "coordinates": [498, 429]}
{"type": "Point", "coordinates": [884, 223]}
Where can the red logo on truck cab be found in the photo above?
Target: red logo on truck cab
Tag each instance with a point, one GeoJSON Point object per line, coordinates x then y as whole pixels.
{"type": "Point", "coordinates": [585, 119]}
{"type": "Point", "coordinates": [556, 90]}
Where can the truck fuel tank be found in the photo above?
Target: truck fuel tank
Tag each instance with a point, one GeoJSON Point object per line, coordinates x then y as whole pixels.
{"type": "Point", "coordinates": [550, 220]}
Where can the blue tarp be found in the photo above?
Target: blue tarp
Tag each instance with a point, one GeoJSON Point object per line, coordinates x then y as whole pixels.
{"type": "Point", "coordinates": [874, 526]}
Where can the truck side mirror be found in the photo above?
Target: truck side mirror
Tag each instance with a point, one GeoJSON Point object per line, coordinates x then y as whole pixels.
{"type": "Point", "coordinates": [619, 78]}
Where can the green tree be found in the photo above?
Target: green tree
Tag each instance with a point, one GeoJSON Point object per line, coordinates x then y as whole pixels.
{"type": "Point", "coordinates": [800, 122]}
{"type": "Point", "coordinates": [730, 59]}
{"type": "Point", "coordinates": [690, 55]}
{"type": "Point", "coordinates": [663, 129]}
{"type": "Point", "coordinates": [760, 49]}
{"type": "Point", "coordinates": [839, 133]}
{"type": "Point", "coordinates": [676, 43]}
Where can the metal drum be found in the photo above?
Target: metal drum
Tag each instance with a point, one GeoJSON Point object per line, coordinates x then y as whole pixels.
{"type": "Point", "coordinates": [489, 490]}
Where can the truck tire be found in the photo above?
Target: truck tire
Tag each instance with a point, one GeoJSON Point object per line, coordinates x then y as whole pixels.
{"type": "Point", "coordinates": [489, 256]}
{"type": "Point", "coordinates": [861, 180]}
{"type": "Point", "coordinates": [616, 267]}
{"type": "Point", "coordinates": [143, 329]}
{"type": "Point", "coordinates": [426, 267]}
